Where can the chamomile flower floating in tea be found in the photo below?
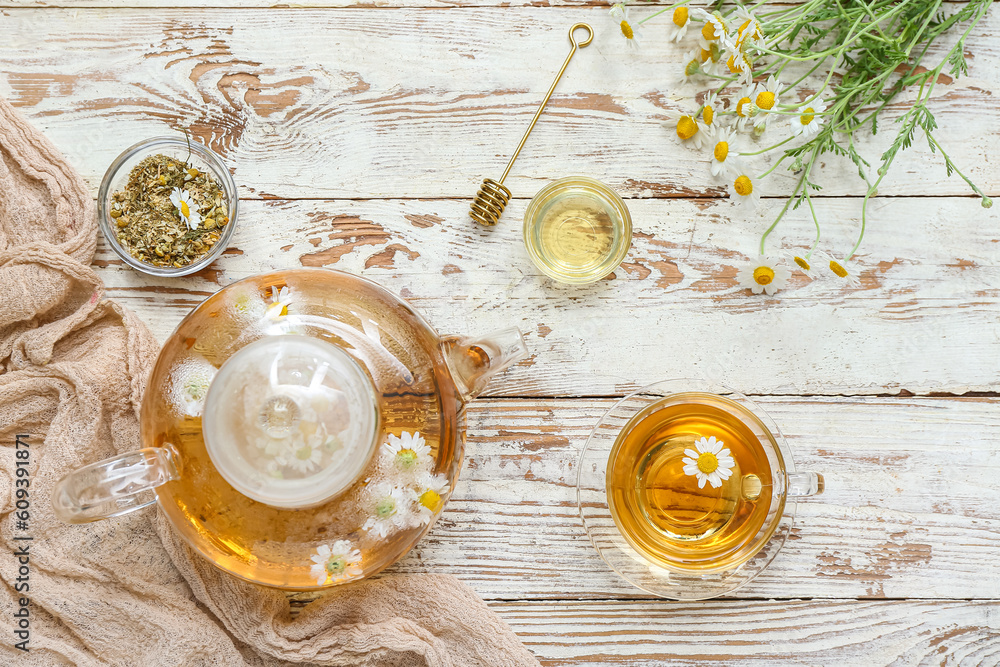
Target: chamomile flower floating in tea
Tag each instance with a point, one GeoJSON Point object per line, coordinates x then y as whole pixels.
{"type": "Point", "coordinates": [389, 508]}
{"type": "Point", "coordinates": [408, 452]}
{"type": "Point", "coordinates": [794, 53]}
{"type": "Point", "coordinates": [189, 382]}
{"type": "Point", "coordinates": [430, 491]}
{"type": "Point", "coordinates": [709, 462]}
{"type": "Point", "coordinates": [763, 275]}
{"type": "Point", "coordinates": [278, 308]}
{"type": "Point", "coordinates": [336, 563]}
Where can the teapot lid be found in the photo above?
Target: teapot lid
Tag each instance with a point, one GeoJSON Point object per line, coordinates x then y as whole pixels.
{"type": "Point", "coordinates": [291, 420]}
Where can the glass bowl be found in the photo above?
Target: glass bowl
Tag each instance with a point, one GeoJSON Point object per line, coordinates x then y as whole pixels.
{"type": "Point", "coordinates": [656, 577]}
{"type": "Point", "coordinates": [577, 230]}
{"type": "Point", "coordinates": [203, 159]}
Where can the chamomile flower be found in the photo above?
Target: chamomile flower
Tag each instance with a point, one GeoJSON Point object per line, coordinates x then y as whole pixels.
{"type": "Point", "coordinates": [389, 508]}
{"type": "Point", "coordinates": [709, 112]}
{"type": "Point", "coordinates": [408, 452]}
{"type": "Point", "coordinates": [809, 262]}
{"type": "Point", "coordinates": [808, 120]}
{"type": "Point", "coordinates": [743, 105]}
{"type": "Point", "coordinates": [692, 66]}
{"type": "Point", "coordinates": [278, 308]}
{"type": "Point", "coordinates": [742, 191]}
{"type": "Point", "coordinates": [722, 152]}
{"type": "Point", "coordinates": [763, 275]}
{"type": "Point", "coordinates": [690, 132]}
{"type": "Point", "coordinates": [430, 491]}
{"type": "Point", "coordinates": [714, 29]}
{"type": "Point", "coordinates": [630, 30]}
{"type": "Point", "coordinates": [303, 459]}
{"type": "Point", "coordinates": [765, 100]}
{"type": "Point", "coordinates": [748, 29]}
{"type": "Point", "coordinates": [189, 382]}
{"type": "Point", "coordinates": [182, 201]}
{"type": "Point", "coordinates": [679, 26]}
{"type": "Point", "coordinates": [711, 59]}
{"type": "Point", "coordinates": [335, 563]}
{"type": "Point", "coordinates": [845, 272]}
{"type": "Point", "coordinates": [709, 462]}
{"type": "Point", "coordinates": [739, 64]}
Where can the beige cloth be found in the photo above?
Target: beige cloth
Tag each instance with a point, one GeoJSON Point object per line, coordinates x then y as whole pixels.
{"type": "Point", "coordinates": [126, 591]}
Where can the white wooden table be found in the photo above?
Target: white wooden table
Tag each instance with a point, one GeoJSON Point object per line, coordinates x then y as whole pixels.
{"type": "Point", "coordinates": [358, 134]}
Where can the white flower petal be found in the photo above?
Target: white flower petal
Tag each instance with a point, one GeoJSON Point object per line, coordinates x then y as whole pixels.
{"type": "Point", "coordinates": [689, 461]}
{"type": "Point", "coordinates": [701, 480]}
{"type": "Point", "coordinates": [690, 470]}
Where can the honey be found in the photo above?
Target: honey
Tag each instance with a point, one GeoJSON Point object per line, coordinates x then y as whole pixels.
{"type": "Point", "coordinates": [577, 230]}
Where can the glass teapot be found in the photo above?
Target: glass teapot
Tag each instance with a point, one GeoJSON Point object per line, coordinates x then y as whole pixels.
{"type": "Point", "coordinates": [301, 429]}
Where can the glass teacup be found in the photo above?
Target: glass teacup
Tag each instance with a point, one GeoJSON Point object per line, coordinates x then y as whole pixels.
{"type": "Point", "coordinates": [687, 489]}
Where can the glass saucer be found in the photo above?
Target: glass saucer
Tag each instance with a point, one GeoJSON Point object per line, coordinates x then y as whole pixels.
{"type": "Point", "coordinates": [592, 500]}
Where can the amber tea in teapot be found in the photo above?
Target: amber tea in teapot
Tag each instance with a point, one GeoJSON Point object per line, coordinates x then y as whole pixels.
{"type": "Point", "coordinates": [301, 429]}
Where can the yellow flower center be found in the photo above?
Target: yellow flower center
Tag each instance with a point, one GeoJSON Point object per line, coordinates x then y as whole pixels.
{"type": "Point", "coordinates": [185, 209]}
{"type": "Point", "coordinates": [721, 151]}
{"type": "Point", "coordinates": [705, 55]}
{"type": "Point", "coordinates": [686, 127]}
{"type": "Point", "coordinates": [838, 269]}
{"type": "Point", "coordinates": [753, 34]}
{"type": "Point", "coordinates": [743, 186]}
{"type": "Point", "coordinates": [707, 463]}
{"type": "Point", "coordinates": [765, 100]}
{"type": "Point", "coordinates": [763, 275]}
{"type": "Point", "coordinates": [680, 16]}
{"type": "Point", "coordinates": [430, 499]}
{"type": "Point", "coordinates": [803, 263]}
{"type": "Point", "coordinates": [627, 30]}
{"type": "Point", "coordinates": [692, 68]}
{"type": "Point", "coordinates": [708, 30]}
{"type": "Point", "coordinates": [707, 115]}
{"type": "Point", "coordinates": [808, 116]}
{"type": "Point", "coordinates": [739, 106]}
{"type": "Point", "coordinates": [304, 454]}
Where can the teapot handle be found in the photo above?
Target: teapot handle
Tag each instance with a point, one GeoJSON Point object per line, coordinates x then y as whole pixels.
{"type": "Point", "coordinates": [114, 486]}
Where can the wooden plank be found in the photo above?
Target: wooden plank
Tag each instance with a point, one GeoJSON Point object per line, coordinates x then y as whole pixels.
{"type": "Point", "coordinates": [909, 508]}
{"type": "Point", "coordinates": [349, 103]}
{"type": "Point", "coordinates": [813, 632]}
{"type": "Point", "coordinates": [924, 318]}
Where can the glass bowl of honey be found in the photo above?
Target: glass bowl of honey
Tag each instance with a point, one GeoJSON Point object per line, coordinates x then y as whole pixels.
{"type": "Point", "coordinates": [577, 230]}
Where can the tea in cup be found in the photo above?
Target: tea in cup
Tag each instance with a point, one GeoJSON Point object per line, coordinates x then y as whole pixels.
{"type": "Point", "coordinates": [698, 489]}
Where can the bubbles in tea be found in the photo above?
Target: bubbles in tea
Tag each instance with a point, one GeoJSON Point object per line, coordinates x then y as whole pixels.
{"type": "Point", "coordinates": [689, 482]}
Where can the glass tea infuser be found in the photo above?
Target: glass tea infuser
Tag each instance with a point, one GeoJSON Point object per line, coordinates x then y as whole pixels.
{"type": "Point", "coordinates": [301, 429]}
{"type": "Point", "coordinates": [687, 489]}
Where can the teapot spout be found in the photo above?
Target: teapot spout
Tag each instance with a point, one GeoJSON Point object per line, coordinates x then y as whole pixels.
{"type": "Point", "coordinates": [473, 361]}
